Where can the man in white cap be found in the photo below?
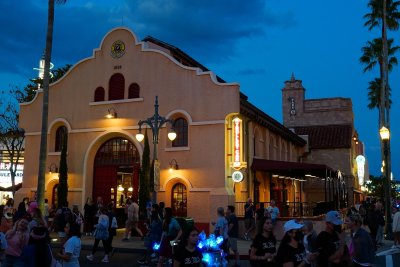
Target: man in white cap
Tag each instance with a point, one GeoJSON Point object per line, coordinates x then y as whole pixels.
{"type": "Point", "coordinates": [331, 244]}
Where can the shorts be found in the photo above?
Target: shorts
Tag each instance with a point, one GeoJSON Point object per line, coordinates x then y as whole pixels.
{"type": "Point", "coordinates": [232, 243]}
{"type": "Point", "coordinates": [129, 224]}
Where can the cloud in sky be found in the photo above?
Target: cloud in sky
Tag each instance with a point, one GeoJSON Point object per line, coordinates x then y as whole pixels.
{"type": "Point", "coordinates": [207, 30]}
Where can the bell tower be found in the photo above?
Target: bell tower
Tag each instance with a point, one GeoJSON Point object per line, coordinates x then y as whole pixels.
{"type": "Point", "coordinates": [293, 102]}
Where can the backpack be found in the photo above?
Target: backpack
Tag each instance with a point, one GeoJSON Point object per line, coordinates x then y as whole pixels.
{"type": "Point", "coordinates": [78, 218]}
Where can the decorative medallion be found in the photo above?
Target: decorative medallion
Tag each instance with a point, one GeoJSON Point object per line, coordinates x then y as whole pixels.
{"type": "Point", "coordinates": [237, 176]}
{"type": "Point", "coordinates": [117, 49]}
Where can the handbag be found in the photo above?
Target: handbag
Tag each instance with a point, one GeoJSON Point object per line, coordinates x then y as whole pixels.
{"type": "Point", "coordinates": [54, 262]}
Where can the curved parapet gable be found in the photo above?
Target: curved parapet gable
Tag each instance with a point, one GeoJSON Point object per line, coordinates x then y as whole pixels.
{"type": "Point", "coordinates": [144, 49]}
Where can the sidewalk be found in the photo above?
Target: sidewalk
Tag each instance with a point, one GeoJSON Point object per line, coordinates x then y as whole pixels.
{"type": "Point", "coordinates": [136, 245]}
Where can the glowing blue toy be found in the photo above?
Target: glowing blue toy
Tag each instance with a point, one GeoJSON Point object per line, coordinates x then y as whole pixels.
{"type": "Point", "coordinates": [156, 246]}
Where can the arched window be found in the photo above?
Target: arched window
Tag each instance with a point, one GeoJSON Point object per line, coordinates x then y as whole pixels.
{"type": "Point", "coordinates": [179, 200]}
{"type": "Point", "coordinates": [134, 91]}
{"type": "Point", "coordinates": [181, 129]}
{"type": "Point", "coordinates": [99, 94]}
{"type": "Point", "coordinates": [61, 132]}
{"type": "Point", "coordinates": [116, 87]}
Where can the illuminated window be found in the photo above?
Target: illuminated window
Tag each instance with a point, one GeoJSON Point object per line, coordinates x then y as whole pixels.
{"type": "Point", "coordinates": [116, 87]}
{"type": "Point", "coordinates": [99, 94]}
{"type": "Point", "coordinates": [179, 200]}
{"type": "Point", "coordinates": [60, 134]}
{"type": "Point", "coordinates": [181, 129]}
{"type": "Point", "coordinates": [134, 91]}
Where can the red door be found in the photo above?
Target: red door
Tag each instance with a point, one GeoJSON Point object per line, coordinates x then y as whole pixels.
{"type": "Point", "coordinates": [105, 178]}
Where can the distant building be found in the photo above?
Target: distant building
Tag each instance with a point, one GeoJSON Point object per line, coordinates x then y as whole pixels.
{"type": "Point", "coordinates": [328, 125]}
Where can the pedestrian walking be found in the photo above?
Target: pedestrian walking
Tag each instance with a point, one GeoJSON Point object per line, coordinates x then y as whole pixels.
{"type": "Point", "coordinates": [249, 223]}
{"type": "Point", "coordinates": [101, 234]}
{"type": "Point", "coordinates": [310, 243]}
{"type": "Point", "coordinates": [373, 222]}
{"type": "Point", "coordinates": [291, 251]}
{"type": "Point", "coordinates": [171, 232]}
{"type": "Point", "coordinates": [332, 249]}
{"type": "Point", "coordinates": [37, 219]}
{"type": "Point", "coordinates": [113, 225]}
{"type": "Point", "coordinates": [259, 214]}
{"type": "Point", "coordinates": [153, 236]}
{"type": "Point", "coordinates": [263, 247]}
{"type": "Point", "coordinates": [188, 254]}
{"type": "Point", "coordinates": [72, 247]}
{"type": "Point", "coordinates": [221, 229]}
{"type": "Point", "coordinates": [77, 217]}
{"type": "Point", "coordinates": [89, 216]}
{"type": "Point", "coordinates": [17, 238]}
{"type": "Point", "coordinates": [37, 252]}
{"type": "Point", "coordinates": [233, 232]}
{"type": "Point", "coordinates": [63, 216]}
{"type": "Point", "coordinates": [132, 221]}
{"type": "Point", "coordinates": [361, 247]}
{"type": "Point", "coordinates": [396, 226]}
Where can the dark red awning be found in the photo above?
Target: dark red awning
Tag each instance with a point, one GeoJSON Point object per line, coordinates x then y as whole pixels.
{"type": "Point", "coordinates": [292, 169]}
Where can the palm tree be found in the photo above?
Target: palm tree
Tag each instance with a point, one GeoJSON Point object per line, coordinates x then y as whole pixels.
{"type": "Point", "coordinates": [374, 19]}
{"type": "Point", "coordinates": [374, 94]}
{"type": "Point", "coordinates": [45, 107]}
{"type": "Point", "coordinates": [372, 56]}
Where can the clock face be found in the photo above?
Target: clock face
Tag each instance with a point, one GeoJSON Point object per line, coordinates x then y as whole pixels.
{"type": "Point", "coordinates": [117, 49]}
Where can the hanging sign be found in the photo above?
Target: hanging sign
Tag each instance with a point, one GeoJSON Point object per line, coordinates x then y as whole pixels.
{"type": "Point", "coordinates": [237, 176]}
{"type": "Point", "coordinates": [236, 143]}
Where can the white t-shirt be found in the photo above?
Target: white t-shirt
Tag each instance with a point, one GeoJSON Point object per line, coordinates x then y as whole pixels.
{"type": "Point", "coordinates": [73, 246]}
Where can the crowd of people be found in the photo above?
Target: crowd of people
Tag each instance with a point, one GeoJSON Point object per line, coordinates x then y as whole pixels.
{"type": "Point", "coordinates": [348, 239]}
{"type": "Point", "coordinates": [25, 236]}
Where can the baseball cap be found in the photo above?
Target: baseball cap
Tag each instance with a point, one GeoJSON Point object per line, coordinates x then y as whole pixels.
{"type": "Point", "coordinates": [291, 225]}
{"type": "Point", "coordinates": [333, 217]}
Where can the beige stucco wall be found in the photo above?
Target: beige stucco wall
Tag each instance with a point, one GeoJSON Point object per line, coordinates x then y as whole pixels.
{"type": "Point", "coordinates": [180, 90]}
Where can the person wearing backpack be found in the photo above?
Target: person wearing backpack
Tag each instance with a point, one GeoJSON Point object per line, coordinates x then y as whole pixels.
{"type": "Point", "coordinates": [63, 216]}
{"type": "Point", "coordinates": [101, 234]}
{"type": "Point", "coordinates": [77, 217]}
{"type": "Point", "coordinates": [113, 225]}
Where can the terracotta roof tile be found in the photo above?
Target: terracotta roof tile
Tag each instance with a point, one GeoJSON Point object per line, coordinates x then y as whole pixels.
{"type": "Point", "coordinates": [327, 136]}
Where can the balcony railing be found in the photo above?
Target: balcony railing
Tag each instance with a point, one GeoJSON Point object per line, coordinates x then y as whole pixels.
{"type": "Point", "coordinates": [286, 209]}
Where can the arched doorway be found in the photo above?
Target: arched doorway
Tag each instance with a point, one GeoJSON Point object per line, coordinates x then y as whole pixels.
{"type": "Point", "coordinates": [179, 200]}
{"type": "Point", "coordinates": [116, 172]}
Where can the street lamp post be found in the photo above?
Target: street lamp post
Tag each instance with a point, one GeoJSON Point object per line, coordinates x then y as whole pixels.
{"type": "Point", "coordinates": [155, 123]}
{"type": "Point", "coordinates": [385, 136]}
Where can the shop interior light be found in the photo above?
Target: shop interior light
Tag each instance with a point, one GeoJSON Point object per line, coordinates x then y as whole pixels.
{"type": "Point", "coordinates": [120, 188]}
{"type": "Point", "coordinates": [130, 189]}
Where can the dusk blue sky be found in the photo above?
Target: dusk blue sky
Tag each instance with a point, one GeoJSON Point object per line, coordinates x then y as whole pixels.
{"type": "Point", "coordinates": [257, 43]}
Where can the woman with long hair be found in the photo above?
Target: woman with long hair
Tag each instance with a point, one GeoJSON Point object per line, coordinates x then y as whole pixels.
{"type": "Point", "coordinates": [171, 232]}
{"type": "Point", "coordinates": [153, 236]}
{"type": "Point", "coordinates": [37, 219]}
{"type": "Point", "coordinates": [72, 247]}
{"type": "Point", "coordinates": [187, 252]}
{"type": "Point", "coordinates": [291, 252]}
{"type": "Point", "coordinates": [101, 234]}
{"type": "Point", "coordinates": [17, 238]}
{"type": "Point", "coordinates": [263, 248]}
{"type": "Point", "coordinates": [88, 216]}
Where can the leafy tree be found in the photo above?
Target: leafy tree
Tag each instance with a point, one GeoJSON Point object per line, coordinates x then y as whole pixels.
{"type": "Point", "coordinates": [374, 19]}
{"type": "Point", "coordinates": [376, 189]}
{"type": "Point", "coordinates": [62, 189]}
{"type": "Point", "coordinates": [45, 107]}
{"type": "Point", "coordinates": [144, 178]}
{"type": "Point", "coordinates": [11, 136]}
